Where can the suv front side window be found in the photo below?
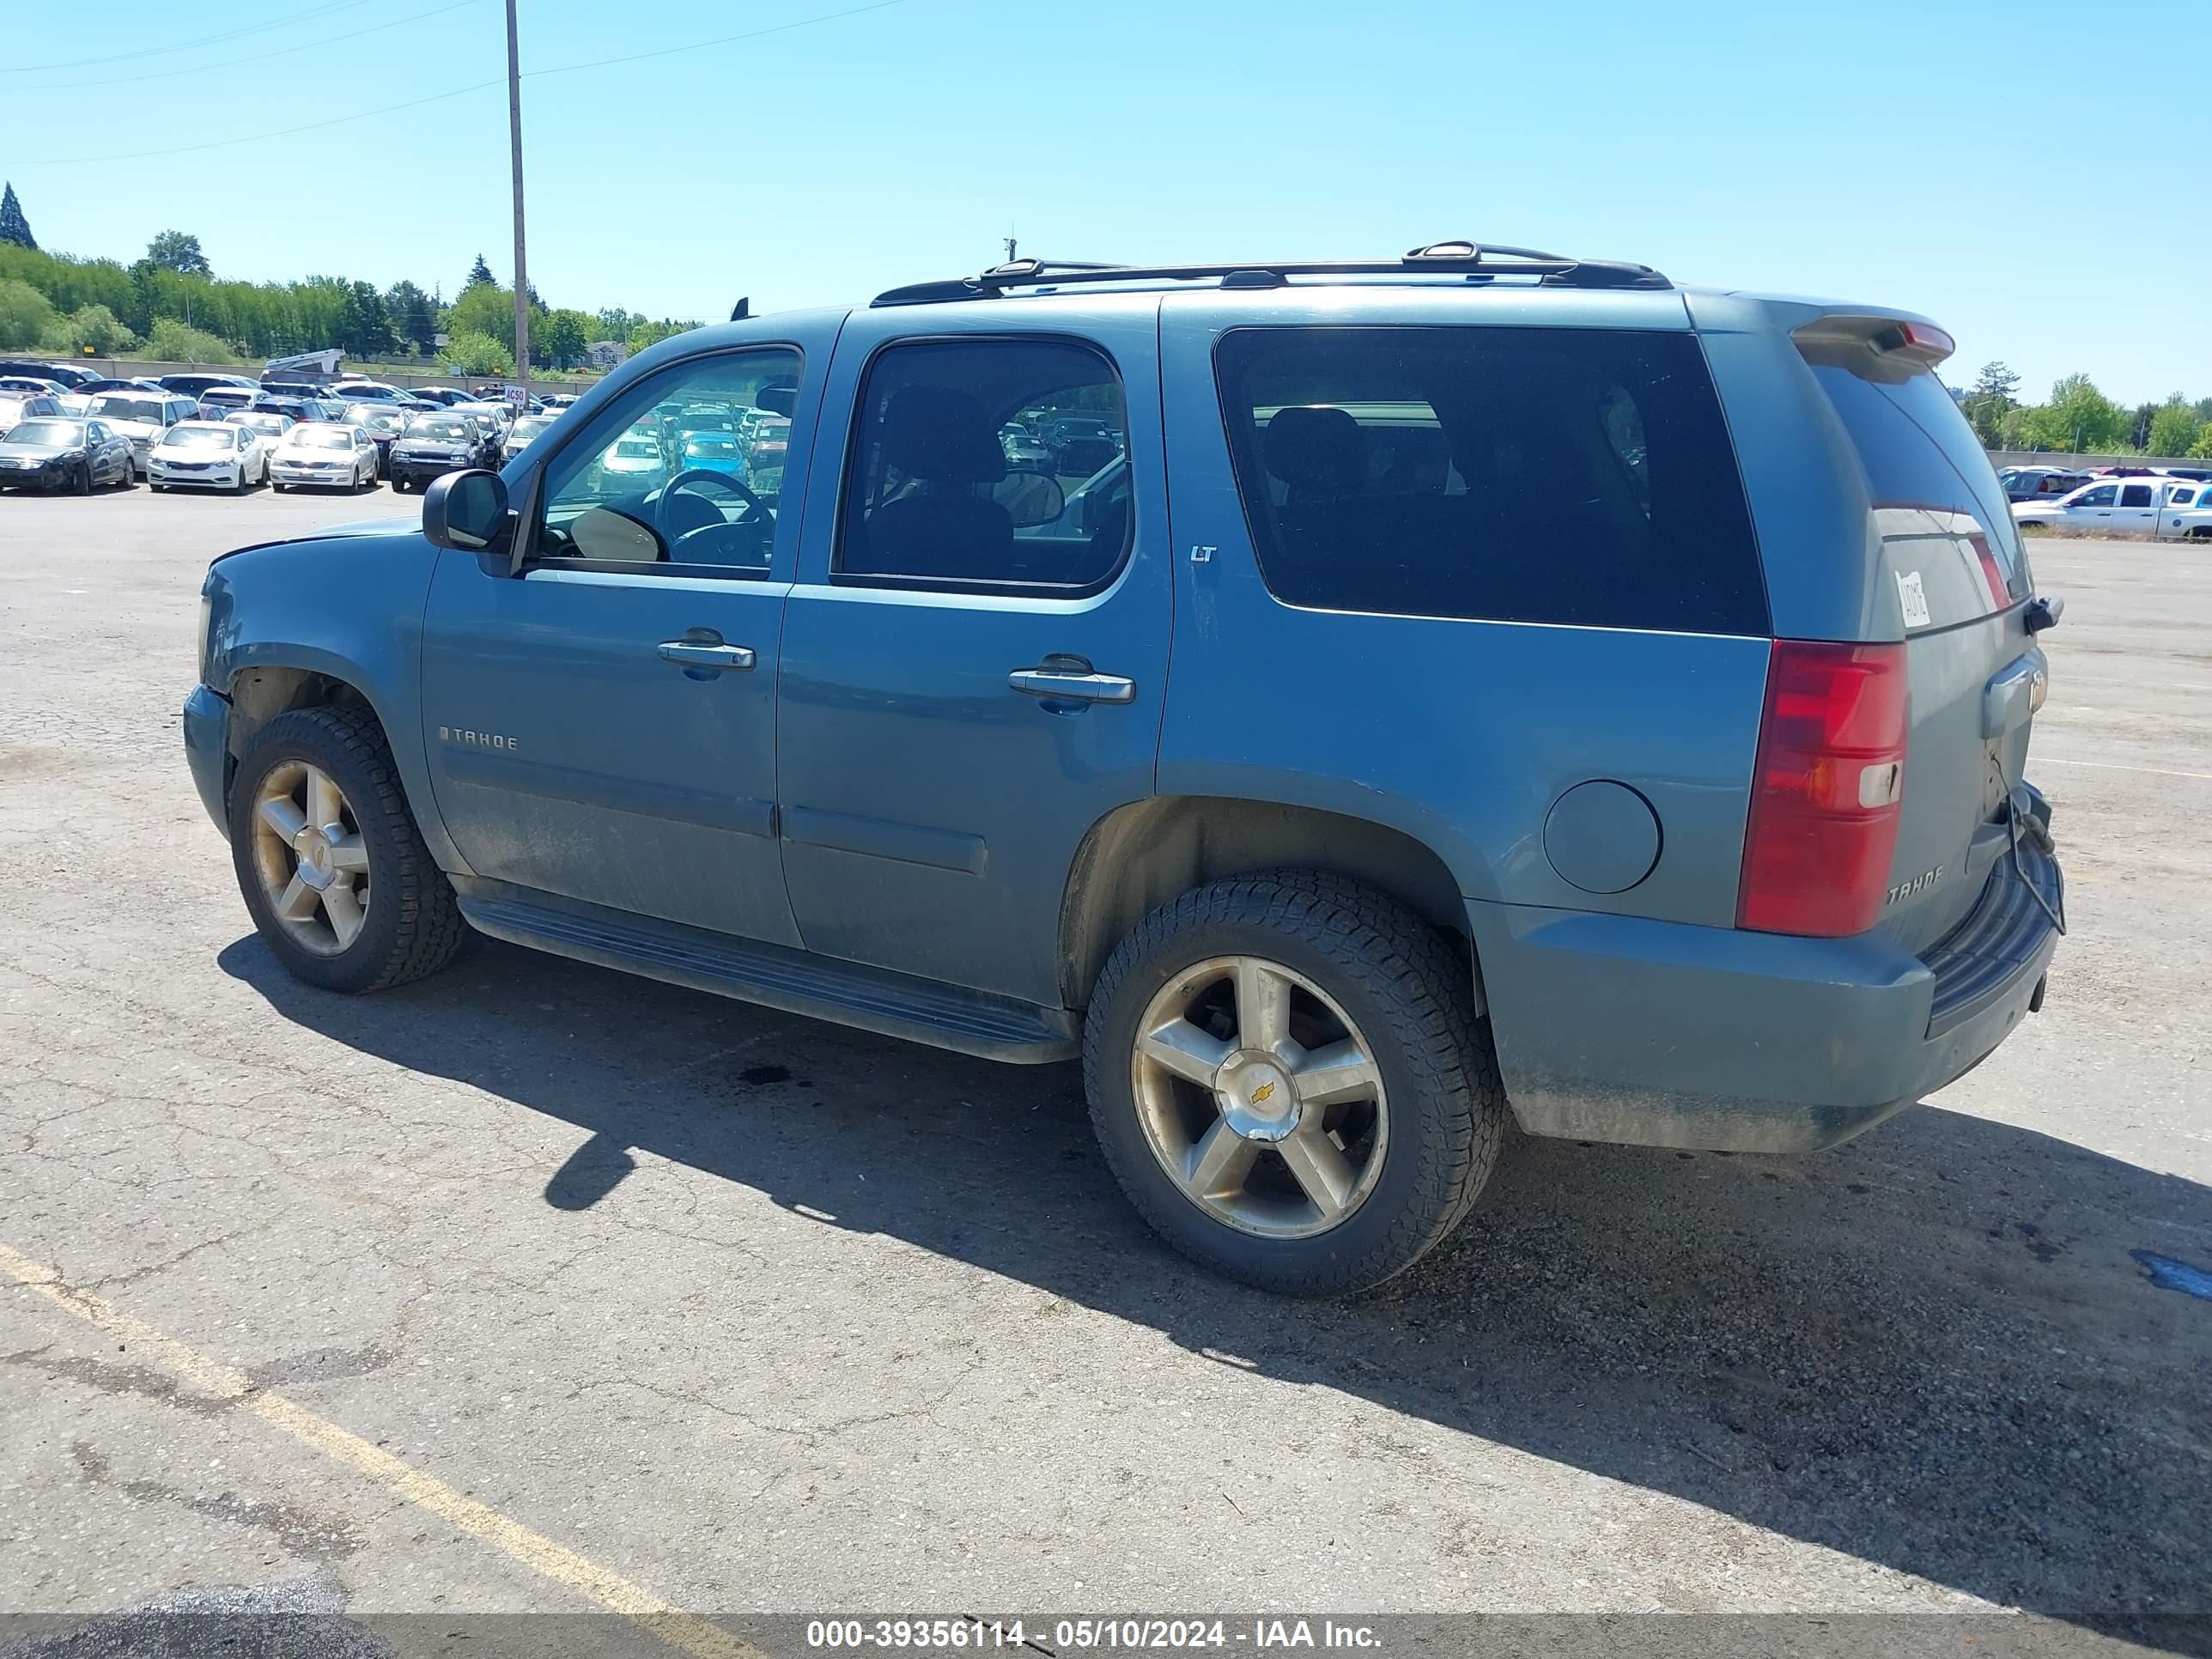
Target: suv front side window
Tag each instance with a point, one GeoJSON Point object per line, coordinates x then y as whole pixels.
{"type": "Point", "coordinates": [930, 499]}
{"type": "Point", "coordinates": [627, 490]}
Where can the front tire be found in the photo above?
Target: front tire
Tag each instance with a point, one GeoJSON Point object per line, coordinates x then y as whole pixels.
{"type": "Point", "coordinates": [1286, 1076]}
{"type": "Point", "coordinates": [332, 868]}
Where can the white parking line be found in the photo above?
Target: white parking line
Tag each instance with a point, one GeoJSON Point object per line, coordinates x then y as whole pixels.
{"type": "Point", "coordinates": [2115, 766]}
{"type": "Point", "coordinates": [679, 1629]}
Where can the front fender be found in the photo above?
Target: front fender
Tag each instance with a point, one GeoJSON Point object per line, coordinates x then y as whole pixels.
{"type": "Point", "coordinates": [350, 607]}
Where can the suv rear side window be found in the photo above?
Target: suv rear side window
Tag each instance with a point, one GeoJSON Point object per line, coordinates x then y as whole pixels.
{"type": "Point", "coordinates": [933, 498]}
{"type": "Point", "coordinates": [1918, 451]}
{"type": "Point", "coordinates": [1575, 476]}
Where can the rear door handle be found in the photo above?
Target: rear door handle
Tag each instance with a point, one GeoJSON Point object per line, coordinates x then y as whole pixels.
{"type": "Point", "coordinates": [1073, 684]}
{"type": "Point", "coordinates": [698, 654]}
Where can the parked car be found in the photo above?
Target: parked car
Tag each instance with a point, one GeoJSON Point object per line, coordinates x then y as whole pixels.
{"type": "Point", "coordinates": [31, 385]}
{"type": "Point", "coordinates": [2127, 504]}
{"type": "Point", "coordinates": [1024, 452]}
{"type": "Point", "coordinates": [521, 435]}
{"type": "Point", "coordinates": [431, 447]}
{"type": "Point", "coordinates": [195, 383]}
{"type": "Point", "coordinates": [296, 410]}
{"type": "Point", "coordinates": [141, 417]}
{"type": "Point", "coordinates": [2029, 483]}
{"type": "Point", "coordinates": [138, 383]}
{"type": "Point", "coordinates": [383, 425]}
{"type": "Point", "coordinates": [710, 449]}
{"type": "Point", "coordinates": [446, 396]}
{"type": "Point", "coordinates": [1723, 838]}
{"type": "Point", "coordinates": [209, 455]}
{"type": "Point", "coordinates": [268, 427]}
{"type": "Point", "coordinates": [1080, 444]}
{"type": "Point", "coordinates": [323, 455]}
{"type": "Point", "coordinates": [53, 453]}
{"type": "Point", "coordinates": [218, 403]}
{"type": "Point", "coordinates": [559, 401]}
{"type": "Point", "coordinates": [367, 391]}
{"type": "Point", "coordinates": [71, 377]}
{"type": "Point", "coordinates": [72, 404]}
{"type": "Point", "coordinates": [2188, 517]}
{"type": "Point", "coordinates": [19, 406]}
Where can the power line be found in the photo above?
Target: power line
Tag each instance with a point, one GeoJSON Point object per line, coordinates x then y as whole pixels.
{"type": "Point", "coordinates": [232, 62]}
{"type": "Point", "coordinates": [456, 92]}
{"type": "Point", "coordinates": [186, 46]}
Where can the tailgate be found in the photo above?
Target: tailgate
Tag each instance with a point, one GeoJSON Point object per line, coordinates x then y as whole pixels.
{"type": "Point", "coordinates": [1949, 558]}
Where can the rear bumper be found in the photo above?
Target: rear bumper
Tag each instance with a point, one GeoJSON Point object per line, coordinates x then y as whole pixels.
{"type": "Point", "coordinates": [207, 751]}
{"type": "Point", "coordinates": [1658, 1034]}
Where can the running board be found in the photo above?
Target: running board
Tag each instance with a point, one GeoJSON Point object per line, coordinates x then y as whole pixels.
{"type": "Point", "coordinates": [873, 999]}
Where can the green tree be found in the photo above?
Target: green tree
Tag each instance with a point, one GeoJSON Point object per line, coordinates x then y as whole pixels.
{"type": "Point", "coordinates": [412, 318]}
{"type": "Point", "coordinates": [2174, 426]}
{"type": "Point", "coordinates": [2079, 419]}
{"type": "Point", "coordinates": [616, 324]}
{"type": "Point", "coordinates": [567, 334]}
{"type": "Point", "coordinates": [2201, 449]}
{"type": "Point", "coordinates": [173, 250]}
{"type": "Point", "coordinates": [170, 342]}
{"type": "Point", "coordinates": [479, 354]}
{"type": "Point", "coordinates": [13, 226]}
{"type": "Point", "coordinates": [645, 334]}
{"type": "Point", "coordinates": [479, 274]}
{"type": "Point", "coordinates": [365, 330]}
{"type": "Point", "coordinates": [96, 330]}
{"type": "Point", "coordinates": [1990, 401]}
{"type": "Point", "coordinates": [26, 316]}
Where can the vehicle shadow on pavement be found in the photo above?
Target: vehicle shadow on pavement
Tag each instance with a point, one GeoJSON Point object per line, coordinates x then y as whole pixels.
{"type": "Point", "coordinates": [1929, 1349]}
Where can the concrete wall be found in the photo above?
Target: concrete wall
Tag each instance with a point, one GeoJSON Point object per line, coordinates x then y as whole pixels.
{"type": "Point", "coordinates": [423, 374]}
{"type": "Point", "coordinates": [2083, 463]}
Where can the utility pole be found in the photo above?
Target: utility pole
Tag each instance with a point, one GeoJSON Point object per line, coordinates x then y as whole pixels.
{"type": "Point", "coordinates": [514, 143]}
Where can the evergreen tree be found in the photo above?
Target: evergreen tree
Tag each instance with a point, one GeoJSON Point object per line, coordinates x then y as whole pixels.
{"type": "Point", "coordinates": [413, 317]}
{"type": "Point", "coordinates": [479, 272]}
{"type": "Point", "coordinates": [13, 226]}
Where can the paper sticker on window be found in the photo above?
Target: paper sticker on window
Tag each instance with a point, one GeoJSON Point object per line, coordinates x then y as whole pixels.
{"type": "Point", "coordinates": [1913, 598]}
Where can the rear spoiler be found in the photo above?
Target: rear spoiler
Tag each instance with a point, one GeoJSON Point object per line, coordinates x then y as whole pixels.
{"type": "Point", "coordinates": [1900, 339]}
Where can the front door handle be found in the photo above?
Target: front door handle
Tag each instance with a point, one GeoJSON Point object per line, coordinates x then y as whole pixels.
{"type": "Point", "coordinates": [1071, 684]}
{"type": "Point", "coordinates": [699, 653]}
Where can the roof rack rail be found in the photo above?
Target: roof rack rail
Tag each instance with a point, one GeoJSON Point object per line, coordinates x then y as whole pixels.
{"type": "Point", "coordinates": [1470, 260]}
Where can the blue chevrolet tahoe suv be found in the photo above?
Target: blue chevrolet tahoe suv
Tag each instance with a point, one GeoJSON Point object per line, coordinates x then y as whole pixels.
{"type": "Point", "coordinates": [1478, 684]}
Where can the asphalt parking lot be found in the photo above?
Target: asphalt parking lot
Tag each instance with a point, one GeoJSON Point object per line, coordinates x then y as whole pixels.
{"type": "Point", "coordinates": [570, 1286]}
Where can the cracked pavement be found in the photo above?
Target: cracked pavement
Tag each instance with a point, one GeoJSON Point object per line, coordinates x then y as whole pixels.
{"type": "Point", "coordinates": [772, 1316]}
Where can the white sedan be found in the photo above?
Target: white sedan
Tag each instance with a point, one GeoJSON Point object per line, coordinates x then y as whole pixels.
{"type": "Point", "coordinates": [320, 453]}
{"type": "Point", "coordinates": [208, 455]}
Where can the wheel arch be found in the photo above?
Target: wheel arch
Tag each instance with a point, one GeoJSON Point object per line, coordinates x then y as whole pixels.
{"type": "Point", "coordinates": [266, 680]}
{"type": "Point", "coordinates": [1147, 853]}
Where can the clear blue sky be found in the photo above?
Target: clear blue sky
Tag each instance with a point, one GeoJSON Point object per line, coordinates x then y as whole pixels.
{"type": "Point", "coordinates": [2031, 175]}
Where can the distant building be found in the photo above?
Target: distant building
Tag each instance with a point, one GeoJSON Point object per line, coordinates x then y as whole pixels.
{"type": "Point", "coordinates": [607, 354]}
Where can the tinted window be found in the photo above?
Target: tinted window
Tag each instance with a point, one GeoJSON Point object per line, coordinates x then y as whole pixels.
{"type": "Point", "coordinates": [2102, 495]}
{"type": "Point", "coordinates": [931, 498]}
{"type": "Point", "coordinates": [1568, 476]}
{"type": "Point", "coordinates": [2135, 495]}
{"type": "Point", "coordinates": [1918, 451]}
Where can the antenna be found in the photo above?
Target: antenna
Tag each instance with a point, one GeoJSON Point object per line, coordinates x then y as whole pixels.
{"type": "Point", "coordinates": [743, 309]}
{"type": "Point", "coordinates": [1009, 240]}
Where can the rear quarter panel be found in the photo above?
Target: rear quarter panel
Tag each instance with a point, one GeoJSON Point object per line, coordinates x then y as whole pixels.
{"type": "Point", "coordinates": [1461, 734]}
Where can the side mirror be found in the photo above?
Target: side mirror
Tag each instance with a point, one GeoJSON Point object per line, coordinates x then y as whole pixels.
{"type": "Point", "coordinates": [466, 511]}
{"type": "Point", "coordinates": [1030, 498]}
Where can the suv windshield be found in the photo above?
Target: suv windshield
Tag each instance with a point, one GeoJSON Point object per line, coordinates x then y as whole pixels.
{"type": "Point", "coordinates": [115, 406]}
{"type": "Point", "coordinates": [451, 431]}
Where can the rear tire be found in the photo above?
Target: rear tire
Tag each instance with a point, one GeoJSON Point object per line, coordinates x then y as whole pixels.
{"type": "Point", "coordinates": [401, 922]}
{"type": "Point", "coordinates": [1360, 977]}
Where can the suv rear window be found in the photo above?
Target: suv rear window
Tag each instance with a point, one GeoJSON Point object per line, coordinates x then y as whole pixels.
{"type": "Point", "coordinates": [1918, 451]}
{"type": "Point", "coordinates": [1574, 476]}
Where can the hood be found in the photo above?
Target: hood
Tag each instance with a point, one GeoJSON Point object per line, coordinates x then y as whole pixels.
{"type": "Point", "coordinates": [35, 452]}
{"type": "Point", "coordinates": [132, 429]}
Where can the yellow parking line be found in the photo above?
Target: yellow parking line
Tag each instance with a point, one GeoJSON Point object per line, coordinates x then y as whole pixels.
{"type": "Point", "coordinates": [679, 1629]}
{"type": "Point", "coordinates": [2115, 766]}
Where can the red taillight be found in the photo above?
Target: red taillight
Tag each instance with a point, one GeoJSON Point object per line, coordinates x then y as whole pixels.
{"type": "Point", "coordinates": [1826, 790]}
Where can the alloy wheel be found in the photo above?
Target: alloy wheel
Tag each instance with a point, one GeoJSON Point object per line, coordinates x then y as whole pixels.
{"type": "Point", "coordinates": [1260, 1097]}
{"type": "Point", "coordinates": [309, 853]}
